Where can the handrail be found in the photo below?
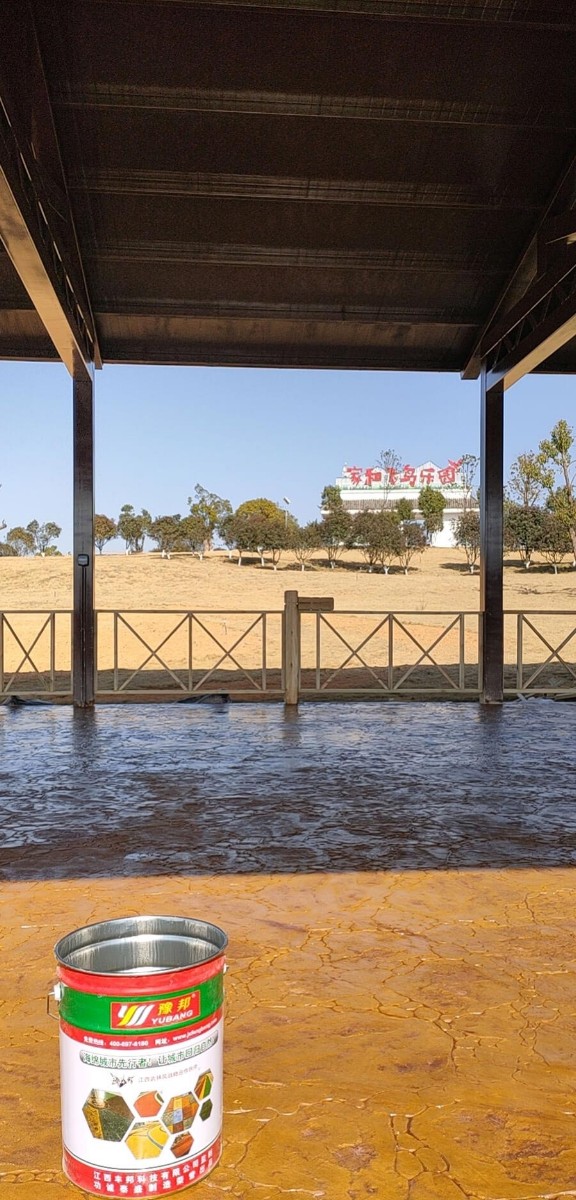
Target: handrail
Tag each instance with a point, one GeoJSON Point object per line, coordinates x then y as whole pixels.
{"type": "Point", "coordinates": [383, 651]}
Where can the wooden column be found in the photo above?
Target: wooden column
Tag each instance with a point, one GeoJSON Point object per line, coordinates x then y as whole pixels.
{"type": "Point", "coordinates": [83, 640]}
{"type": "Point", "coordinates": [291, 622]}
{"type": "Point", "coordinates": [491, 541]}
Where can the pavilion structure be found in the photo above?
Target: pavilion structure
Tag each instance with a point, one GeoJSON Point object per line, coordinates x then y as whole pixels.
{"type": "Point", "coordinates": [368, 184]}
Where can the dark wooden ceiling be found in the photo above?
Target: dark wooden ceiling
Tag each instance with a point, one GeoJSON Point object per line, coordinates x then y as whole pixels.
{"type": "Point", "coordinates": [334, 183]}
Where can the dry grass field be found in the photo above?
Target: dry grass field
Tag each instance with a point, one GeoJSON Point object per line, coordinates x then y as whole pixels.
{"type": "Point", "coordinates": [438, 582]}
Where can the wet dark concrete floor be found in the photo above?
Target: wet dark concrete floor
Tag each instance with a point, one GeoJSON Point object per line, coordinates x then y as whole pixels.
{"type": "Point", "coordinates": [165, 789]}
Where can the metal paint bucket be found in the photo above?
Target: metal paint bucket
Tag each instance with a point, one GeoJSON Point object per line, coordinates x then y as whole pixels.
{"type": "Point", "coordinates": [140, 1003]}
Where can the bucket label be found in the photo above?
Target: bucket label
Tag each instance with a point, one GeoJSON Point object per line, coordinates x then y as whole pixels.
{"type": "Point", "coordinates": [141, 1111]}
{"type": "Point", "coordinates": [131, 1014]}
{"type": "Point", "coordinates": [104, 1014]}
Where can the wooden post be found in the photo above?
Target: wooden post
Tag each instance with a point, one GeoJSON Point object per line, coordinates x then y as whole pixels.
{"type": "Point", "coordinates": [491, 519]}
{"type": "Point", "coordinates": [83, 643]}
{"type": "Point", "coordinates": [291, 647]}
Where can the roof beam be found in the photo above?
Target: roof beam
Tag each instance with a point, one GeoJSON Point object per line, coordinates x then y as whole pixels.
{"type": "Point", "coordinates": [394, 109]}
{"type": "Point", "coordinates": [122, 181]}
{"type": "Point", "coordinates": [518, 13]}
{"type": "Point", "coordinates": [535, 328]}
{"type": "Point", "coordinates": [43, 255]}
{"type": "Point", "coordinates": [529, 265]}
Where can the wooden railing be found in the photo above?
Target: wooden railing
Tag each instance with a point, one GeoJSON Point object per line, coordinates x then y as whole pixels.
{"type": "Point", "coordinates": [304, 650]}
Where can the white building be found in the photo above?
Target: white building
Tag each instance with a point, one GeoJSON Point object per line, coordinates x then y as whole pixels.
{"type": "Point", "coordinates": [372, 488]}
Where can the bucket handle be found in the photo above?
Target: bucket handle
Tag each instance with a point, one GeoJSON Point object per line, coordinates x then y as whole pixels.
{"type": "Point", "coordinates": [56, 995]}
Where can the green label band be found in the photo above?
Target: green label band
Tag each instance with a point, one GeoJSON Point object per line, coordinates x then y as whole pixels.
{"type": "Point", "coordinates": [146, 1014]}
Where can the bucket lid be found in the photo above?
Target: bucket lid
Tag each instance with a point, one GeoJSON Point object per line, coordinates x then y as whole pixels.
{"type": "Point", "coordinates": [140, 945]}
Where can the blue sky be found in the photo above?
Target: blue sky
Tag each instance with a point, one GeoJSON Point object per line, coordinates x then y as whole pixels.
{"type": "Point", "coordinates": [240, 432]}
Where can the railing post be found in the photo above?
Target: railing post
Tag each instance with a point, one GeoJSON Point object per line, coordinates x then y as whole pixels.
{"type": "Point", "coordinates": [291, 648]}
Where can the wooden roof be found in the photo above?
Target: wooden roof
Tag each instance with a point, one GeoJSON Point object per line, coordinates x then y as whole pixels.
{"type": "Point", "coordinates": [333, 183]}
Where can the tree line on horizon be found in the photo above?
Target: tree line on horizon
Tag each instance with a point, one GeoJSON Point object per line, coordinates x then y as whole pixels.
{"type": "Point", "coordinates": [539, 517]}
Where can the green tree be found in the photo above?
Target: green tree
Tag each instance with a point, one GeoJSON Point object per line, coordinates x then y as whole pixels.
{"type": "Point", "coordinates": [166, 532]}
{"type": "Point", "coordinates": [389, 539]}
{"type": "Point", "coordinates": [133, 527]}
{"type": "Point", "coordinates": [467, 535]}
{"type": "Point", "coordinates": [262, 508]}
{"type": "Point", "coordinates": [21, 540]}
{"type": "Point", "coordinates": [104, 530]}
{"type": "Point", "coordinates": [44, 534]}
{"type": "Point", "coordinates": [305, 541]}
{"type": "Point", "coordinates": [193, 535]}
{"type": "Point", "coordinates": [412, 541]}
{"type": "Point", "coordinates": [432, 504]}
{"type": "Point", "coordinates": [244, 531]}
{"type": "Point", "coordinates": [522, 529]}
{"type": "Point", "coordinates": [331, 499]}
{"type": "Point", "coordinates": [364, 535]}
{"type": "Point", "coordinates": [6, 550]}
{"type": "Point", "coordinates": [261, 525]}
{"type": "Point", "coordinates": [555, 542]}
{"type": "Point", "coordinates": [211, 509]}
{"type": "Point", "coordinates": [335, 530]}
{"type": "Point", "coordinates": [529, 479]}
{"type": "Point", "coordinates": [275, 536]}
{"type": "Point", "coordinates": [557, 452]}
{"type": "Point", "coordinates": [405, 509]}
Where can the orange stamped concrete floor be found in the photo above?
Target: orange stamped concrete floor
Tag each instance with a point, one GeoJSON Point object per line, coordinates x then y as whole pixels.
{"type": "Point", "coordinates": [398, 887]}
{"type": "Point", "coordinates": [406, 1035]}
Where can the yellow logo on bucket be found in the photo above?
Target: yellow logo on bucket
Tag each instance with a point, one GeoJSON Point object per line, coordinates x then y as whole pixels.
{"type": "Point", "coordinates": [155, 1013]}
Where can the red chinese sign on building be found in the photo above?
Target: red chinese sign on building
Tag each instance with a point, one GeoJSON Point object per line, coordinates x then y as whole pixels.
{"type": "Point", "coordinates": [406, 476]}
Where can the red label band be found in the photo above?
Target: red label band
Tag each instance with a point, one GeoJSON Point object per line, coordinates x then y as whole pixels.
{"type": "Point", "coordinates": [164, 1181]}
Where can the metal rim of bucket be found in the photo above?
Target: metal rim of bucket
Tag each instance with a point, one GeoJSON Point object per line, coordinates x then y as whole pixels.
{"type": "Point", "coordinates": [193, 944]}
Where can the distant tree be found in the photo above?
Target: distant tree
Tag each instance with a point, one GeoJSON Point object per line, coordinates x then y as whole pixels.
{"type": "Point", "coordinates": [226, 533]}
{"type": "Point", "coordinates": [211, 509]}
{"type": "Point", "coordinates": [331, 499]}
{"type": "Point", "coordinates": [165, 531]}
{"type": "Point", "coordinates": [133, 527]}
{"type": "Point", "coordinates": [260, 507]}
{"type": "Point", "coordinates": [6, 550]}
{"type": "Point", "coordinates": [275, 536]}
{"type": "Point", "coordinates": [431, 503]}
{"type": "Point", "coordinates": [364, 535]}
{"type": "Point", "coordinates": [467, 535]}
{"type": "Point", "coordinates": [21, 540]}
{"type": "Point", "coordinates": [555, 542]}
{"type": "Point", "coordinates": [379, 536]}
{"type": "Point", "coordinates": [105, 529]}
{"type": "Point", "coordinates": [192, 536]}
{"type": "Point", "coordinates": [469, 464]}
{"type": "Point", "coordinates": [404, 508]}
{"type": "Point", "coordinates": [244, 531]}
{"type": "Point", "coordinates": [44, 534]}
{"type": "Point", "coordinates": [557, 452]}
{"type": "Point", "coordinates": [529, 479]}
{"type": "Point", "coordinates": [335, 530]}
{"type": "Point", "coordinates": [305, 541]}
{"type": "Point", "coordinates": [522, 529]}
{"type": "Point", "coordinates": [412, 541]}
{"type": "Point", "coordinates": [52, 552]}
{"type": "Point", "coordinates": [390, 463]}
{"type": "Point", "coordinates": [389, 539]}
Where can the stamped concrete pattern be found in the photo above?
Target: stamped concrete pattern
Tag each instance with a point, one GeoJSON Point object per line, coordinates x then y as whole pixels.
{"type": "Point", "coordinates": [397, 883]}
